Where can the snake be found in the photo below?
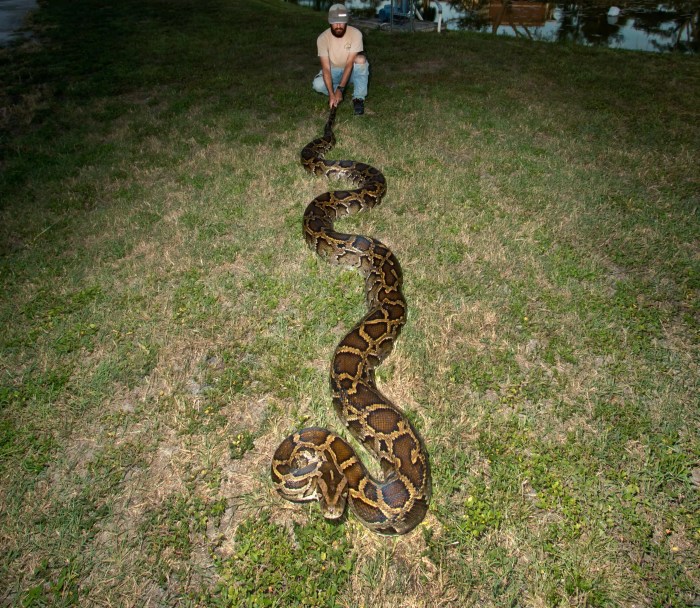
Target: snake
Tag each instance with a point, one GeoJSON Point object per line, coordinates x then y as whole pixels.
{"type": "Point", "coordinates": [318, 464]}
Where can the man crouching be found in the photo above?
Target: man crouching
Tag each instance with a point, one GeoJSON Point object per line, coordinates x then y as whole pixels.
{"type": "Point", "coordinates": [343, 60]}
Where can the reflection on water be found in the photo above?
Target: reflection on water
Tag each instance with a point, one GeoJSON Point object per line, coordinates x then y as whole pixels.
{"type": "Point", "coordinates": [645, 25]}
{"type": "Point", "coordinates": [12, 15]}
{"type": "Point", "coordinates": [640, 25]}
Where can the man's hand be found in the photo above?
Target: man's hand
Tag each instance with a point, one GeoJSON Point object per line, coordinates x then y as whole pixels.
{"type": "Point", "coordinates": [335, 98]}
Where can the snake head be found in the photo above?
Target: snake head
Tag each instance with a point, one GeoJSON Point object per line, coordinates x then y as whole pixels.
{"type": "Point", "coordinates": [332, 491]}
{"type": "Point", "coordinates": [305, 477]}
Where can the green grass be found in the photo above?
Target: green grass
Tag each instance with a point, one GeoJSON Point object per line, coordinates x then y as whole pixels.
{"type": "Point", "coordinates": [164, 325]}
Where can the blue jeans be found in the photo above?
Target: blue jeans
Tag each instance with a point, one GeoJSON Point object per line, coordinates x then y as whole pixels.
{"type": "Point", "coordinates": [358, 79]}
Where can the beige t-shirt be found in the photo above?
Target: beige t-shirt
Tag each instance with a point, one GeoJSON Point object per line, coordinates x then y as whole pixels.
{"type": "Point", "coordinates": [337, 49]}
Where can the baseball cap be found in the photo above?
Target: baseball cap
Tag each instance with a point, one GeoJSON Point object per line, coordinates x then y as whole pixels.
{"type": "Point", "coordinates": [338, 14]}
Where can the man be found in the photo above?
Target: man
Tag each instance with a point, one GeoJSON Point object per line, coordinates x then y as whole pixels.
{"type": "Point", "coordinates": [343, 61]}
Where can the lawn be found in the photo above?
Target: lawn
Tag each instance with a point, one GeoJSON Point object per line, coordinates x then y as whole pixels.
{"type": "Point", "coordinates": [164, 325]}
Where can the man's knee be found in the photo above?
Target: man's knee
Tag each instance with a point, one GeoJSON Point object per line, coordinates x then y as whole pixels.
{"type": "Point", "coordinates": [318, 85]}
{"type": "Point", "coordinates": [361, 68]}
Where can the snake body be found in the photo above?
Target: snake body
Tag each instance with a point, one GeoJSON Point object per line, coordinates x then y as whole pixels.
{"type": "Point", "coordinates": [314, 463]}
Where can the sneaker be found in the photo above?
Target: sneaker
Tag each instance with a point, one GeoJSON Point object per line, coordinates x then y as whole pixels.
{"type": "Point", "coordinates": [359, 105]}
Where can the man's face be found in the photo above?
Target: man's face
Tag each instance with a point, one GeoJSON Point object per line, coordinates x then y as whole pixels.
{"type": "Point", "coordinates": [338, 29]}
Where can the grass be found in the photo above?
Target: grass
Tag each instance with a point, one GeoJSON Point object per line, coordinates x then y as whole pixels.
{"type": "Point", "coordinates": [164, 325]}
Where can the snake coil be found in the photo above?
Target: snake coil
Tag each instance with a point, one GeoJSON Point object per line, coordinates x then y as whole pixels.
{"type": "Point", "coordinates": [314, 463]}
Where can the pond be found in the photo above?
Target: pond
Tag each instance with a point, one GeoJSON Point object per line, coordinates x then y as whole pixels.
{"type": "Point", "coordinates": [12, 16]}
{"type": "Point", "coordinates": [640, 25]}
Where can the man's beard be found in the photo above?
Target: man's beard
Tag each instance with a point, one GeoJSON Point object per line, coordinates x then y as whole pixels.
{"type": "Point", "coordinates": [339, 33]}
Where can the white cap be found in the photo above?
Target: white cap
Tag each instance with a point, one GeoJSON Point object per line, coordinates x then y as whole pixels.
{"type": "Point", "coordinates": [338, 14]}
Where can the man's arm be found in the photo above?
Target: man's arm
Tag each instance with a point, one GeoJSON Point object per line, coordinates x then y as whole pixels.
{"type": "Point", "coordinates": [335, 97]}
{"type": "Point", "coordinates": [345, 78]}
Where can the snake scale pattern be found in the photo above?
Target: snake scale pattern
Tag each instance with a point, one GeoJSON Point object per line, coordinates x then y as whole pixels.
{"type": "Point", "coordinates": [314, 463]}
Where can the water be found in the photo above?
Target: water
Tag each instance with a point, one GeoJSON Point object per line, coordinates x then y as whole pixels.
{"type": "Point", "coordinates": [640, 25]}
{"type": "Point", "coordinates": [12, 15]}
